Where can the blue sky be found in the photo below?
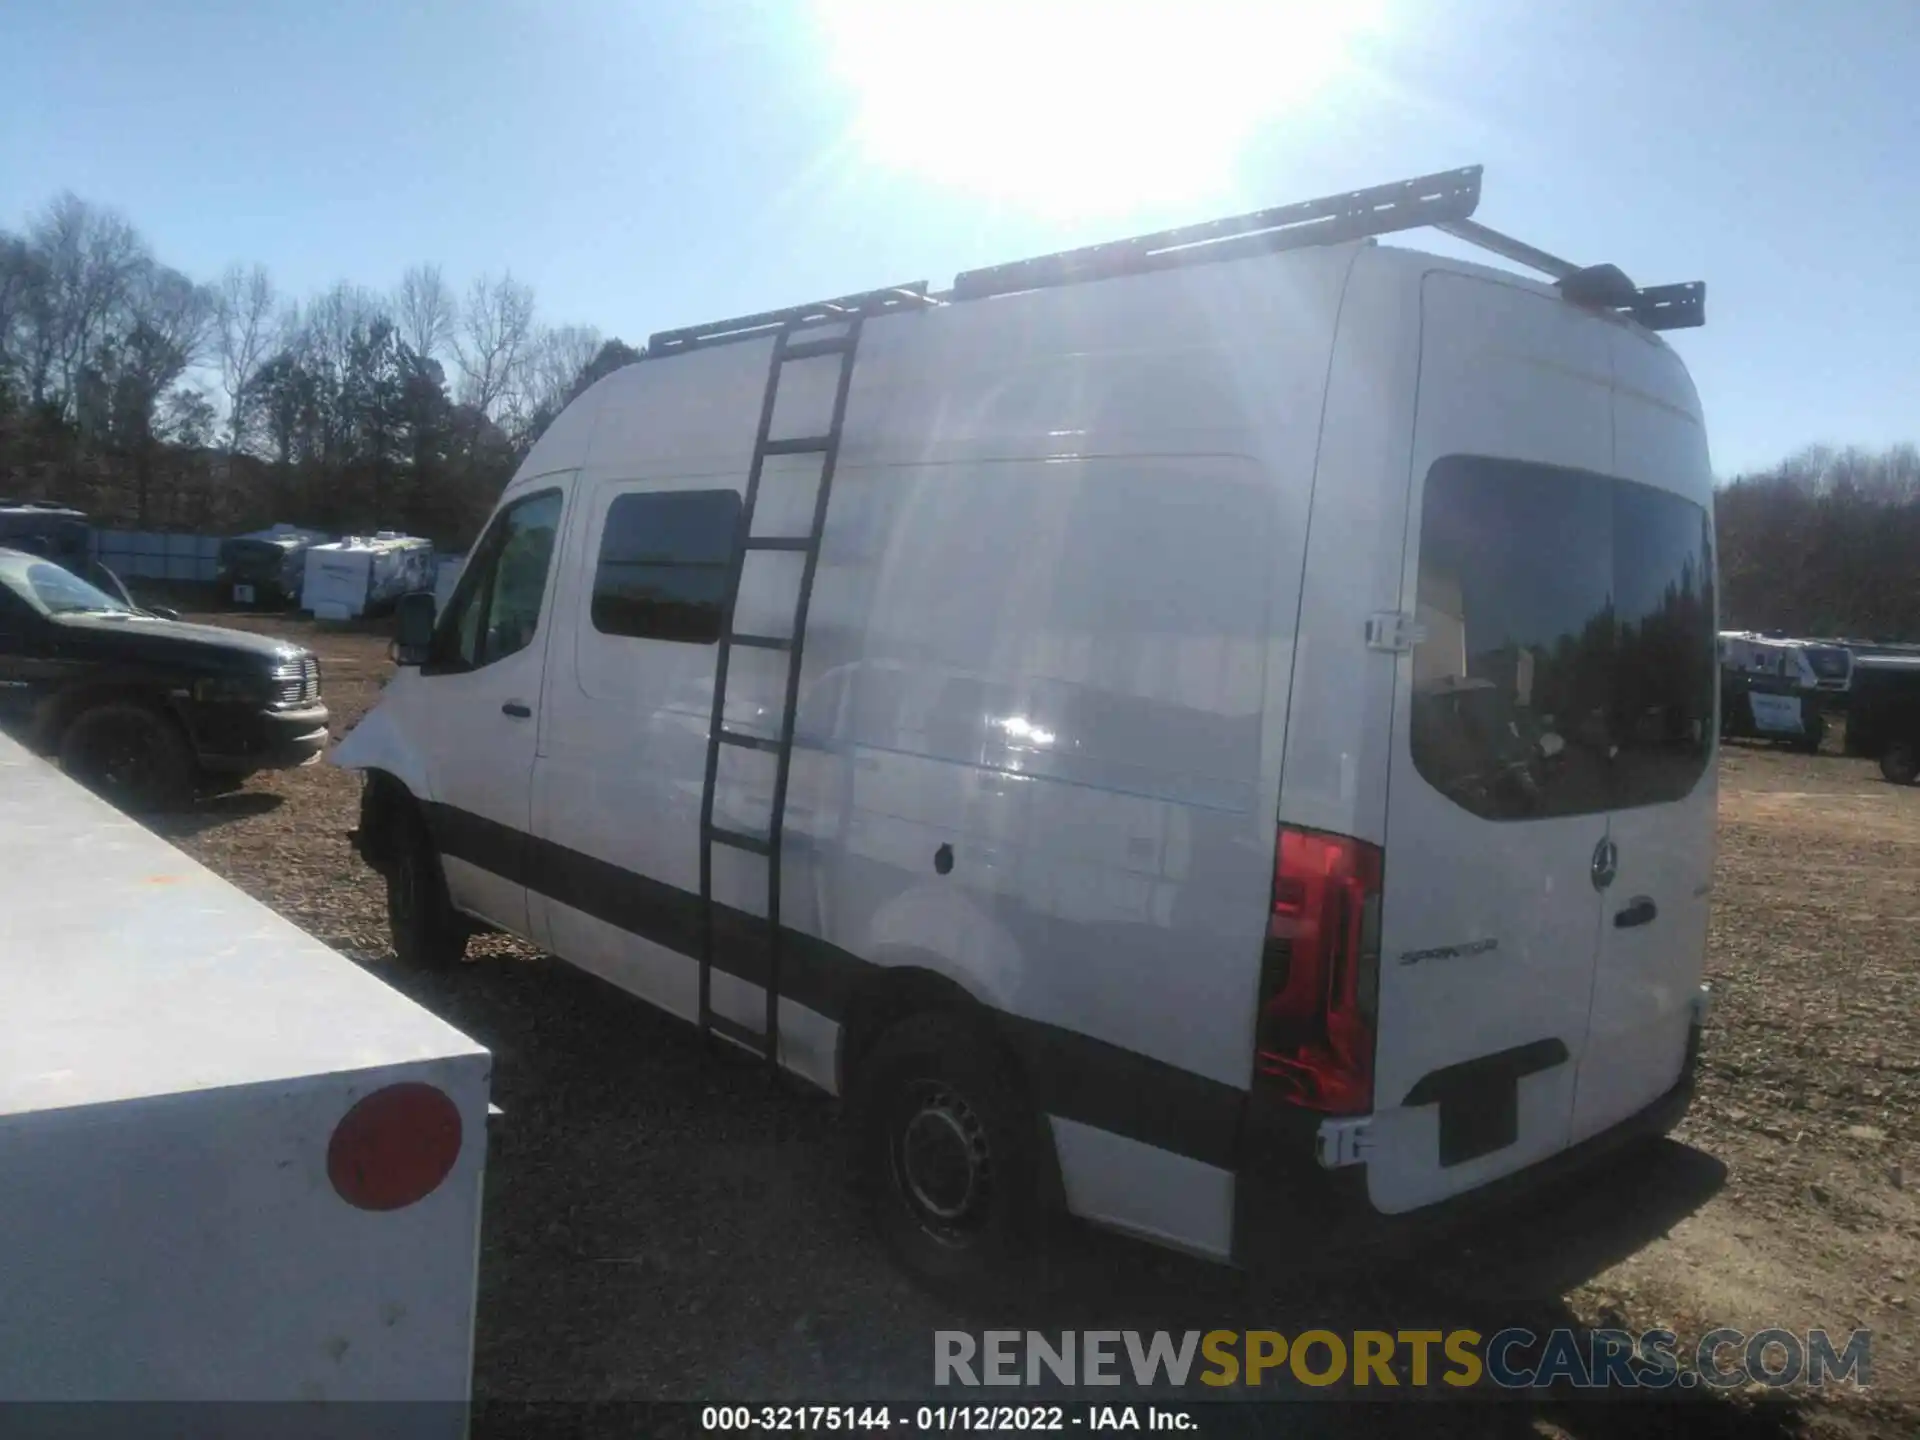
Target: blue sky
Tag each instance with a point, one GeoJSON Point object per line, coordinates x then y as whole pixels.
{"type": "Point", "coordinates": [652, 163]}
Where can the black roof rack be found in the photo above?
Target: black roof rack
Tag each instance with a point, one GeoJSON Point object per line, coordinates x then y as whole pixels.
{"type": "Point", "coordinates": [1445, 200]}
{"type": "Point", "coordinates": [769, 322]}
{"type": "Point", "coordinates": [1403, 205]}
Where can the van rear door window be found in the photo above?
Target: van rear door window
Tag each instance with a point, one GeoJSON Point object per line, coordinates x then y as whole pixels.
{"type": "Point", "coordinates": [1570, 658]}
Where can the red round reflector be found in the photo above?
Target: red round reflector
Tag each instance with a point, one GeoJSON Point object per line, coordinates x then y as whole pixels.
{"type": "Point", "coordinates": [394, 1147]}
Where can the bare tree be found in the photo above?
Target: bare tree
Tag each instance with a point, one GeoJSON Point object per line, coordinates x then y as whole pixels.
{"type": "Point", "coordinates": [167, 319]}
{"type": "Point", "coordinates": [89, 258]}
{"type": "Point", "coordinates": [490, 343]}
{"type": "Point", "coordinates": [245, 335]}
{"type": "Point", "coordinates": [552, 361]}
{"type": "Point", "coordinates": [19, 274]}
{"type": "Point", "coordinates": [424, 311]}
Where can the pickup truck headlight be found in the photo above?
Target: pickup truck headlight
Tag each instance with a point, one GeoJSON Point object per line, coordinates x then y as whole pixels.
{"type": "Point", "coordinates": [234, 690]}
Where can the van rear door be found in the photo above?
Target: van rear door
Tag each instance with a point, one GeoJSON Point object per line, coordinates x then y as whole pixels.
{"type": "Point", "coordinates": [1497, 793]}
{"type": "Point", "coordinates": [1654, 928]}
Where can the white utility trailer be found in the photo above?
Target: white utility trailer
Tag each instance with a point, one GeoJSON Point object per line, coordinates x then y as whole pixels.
{"type": "Point", "coordinates": [234, 1166]}
{"type": "Point", "coordinates": [361, 574]}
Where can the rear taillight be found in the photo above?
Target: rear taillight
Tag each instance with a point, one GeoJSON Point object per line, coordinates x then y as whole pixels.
{"type": "Point", "coordinates": [1320, 976]}
{"type": "Point", "coordinates": [394, 1147]}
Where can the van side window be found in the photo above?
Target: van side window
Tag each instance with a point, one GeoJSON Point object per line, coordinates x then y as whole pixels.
{"type": "Point", "coordinates": [495, 611]}
{"type": "Point", "coordinates": [665, 558]}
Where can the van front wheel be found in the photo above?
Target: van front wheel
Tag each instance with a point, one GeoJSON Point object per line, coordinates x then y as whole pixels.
{"type": "Point", "coordinates": [947, 1152]}
{"type": "Point", "coordinates": [427, 931]}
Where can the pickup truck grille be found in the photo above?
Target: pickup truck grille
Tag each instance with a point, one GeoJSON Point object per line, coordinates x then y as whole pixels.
{"type": "Point", "coordinates": [297, 682]}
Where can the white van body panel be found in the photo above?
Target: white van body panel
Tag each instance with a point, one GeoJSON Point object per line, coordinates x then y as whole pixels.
{"type": "Point", "coordinates": [1073, 537]}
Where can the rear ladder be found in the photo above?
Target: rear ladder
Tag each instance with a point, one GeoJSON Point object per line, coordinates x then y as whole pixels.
{"type": "Point", "coordinates": [791, 344]}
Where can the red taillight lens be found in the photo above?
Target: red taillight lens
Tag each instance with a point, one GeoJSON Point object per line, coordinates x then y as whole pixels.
{"type": "Point", "coordinates": [394, 1147]}
{"type": "Point", "coordinates": [1321, 972]}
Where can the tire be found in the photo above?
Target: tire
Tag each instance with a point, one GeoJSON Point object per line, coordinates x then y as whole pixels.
{"type": "Point", "coordinates": [1900, 764]}
{"type": "Point", "coordinates": [946, 1153]}
{"type": "Point", "coordinates": [428, 933]}
{"type": "Point", "coordinates": [1816, 733]}
{"type": "Point", "coordinates": [131, 756]}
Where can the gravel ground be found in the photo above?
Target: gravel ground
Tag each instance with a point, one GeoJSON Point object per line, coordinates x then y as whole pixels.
{"type": "Point", "coordinates": [666, 1223]}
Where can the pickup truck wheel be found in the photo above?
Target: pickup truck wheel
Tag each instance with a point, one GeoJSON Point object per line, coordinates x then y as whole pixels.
{"type": "Point", "coordinates": [131, 756]}
{"type": "Point", "coordinates": [946, 1152]}
{"type": "Point", "coordinates": [427, 931]}
{"type": "Point", "coordinates": [1900, 764]}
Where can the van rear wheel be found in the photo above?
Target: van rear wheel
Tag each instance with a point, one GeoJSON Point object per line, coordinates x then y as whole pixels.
{"type": "Point", "coordinates": [427, 931]}
{"type": "Point", "coordinates": [1900, 764]}
{"type": "Point", "coordinates": [947, 1153]}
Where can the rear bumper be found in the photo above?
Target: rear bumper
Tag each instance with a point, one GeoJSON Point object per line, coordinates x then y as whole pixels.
{"type": "Point", "coordinates": [263, 740]}
{"type": "Point", "coordinates": [1288, 1209]}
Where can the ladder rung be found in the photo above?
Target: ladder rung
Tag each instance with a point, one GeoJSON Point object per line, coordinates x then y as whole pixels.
{"type": "Point", "coordinates": [807, 349]}
{"type": "Point", "coordinates": [798, 445]}
{"type": "Point", "coordinates": [740, 840]}
{"type": "Point", "coordinates": [754, 1040]}
{"type": "Point", "coordinates": [779, 542]}
{"type": "Point", "coordinates": [751, 742]}
{"type": "Point", "coordinates": [761, 642]}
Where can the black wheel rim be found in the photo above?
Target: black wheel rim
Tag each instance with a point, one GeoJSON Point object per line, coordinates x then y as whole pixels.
{"type": "Point", "coordinates": [121, 758]}
{"type": "Point", "coordinates": [941, 1160]}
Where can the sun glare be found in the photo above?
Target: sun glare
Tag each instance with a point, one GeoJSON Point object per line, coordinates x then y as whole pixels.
{"type": "Point", "coordinates": [1068, 107]}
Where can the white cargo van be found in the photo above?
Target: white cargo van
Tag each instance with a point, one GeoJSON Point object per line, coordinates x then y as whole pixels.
{"type": "Point", "coordinates": [1189, 732]}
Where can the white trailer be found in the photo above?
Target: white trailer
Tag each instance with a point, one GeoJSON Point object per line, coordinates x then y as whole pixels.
{"type": "Point", "coordinates": [233, 1164]}
{"type": "Point", "coordinates": [359, 574]}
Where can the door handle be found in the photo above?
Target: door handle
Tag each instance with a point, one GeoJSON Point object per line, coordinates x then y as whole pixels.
{"type": "Point", "coordinates": [1641, 911]}
{"type": "Point", "coordinates": [517, 710]}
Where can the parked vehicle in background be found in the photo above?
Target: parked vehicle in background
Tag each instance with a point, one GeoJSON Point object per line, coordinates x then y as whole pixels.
{"type": "Point", "coordinates": [1832, 665]}
{"type": "Point", "coordinates": [936, 696]}
{"type": "Point", "coordinates": [364, 575]}
{"type": "Point", "coordinates": [138, 706]}
{"type": "Point", "coordinates": [266, 567]}
{"type": "Point", "coordinates": [1884, 721]}
{"type": "Point", "coordinates": [1770, 690]}
{"type": "Point", "coordinates": [62, 534]}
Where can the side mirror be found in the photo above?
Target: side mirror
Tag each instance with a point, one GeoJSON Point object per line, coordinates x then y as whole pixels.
{"type": "Point", "coordinates": [414, 631]}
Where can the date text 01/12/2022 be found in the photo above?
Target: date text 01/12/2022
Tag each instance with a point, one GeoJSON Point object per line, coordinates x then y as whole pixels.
{"type": "Point", "coordinates": [937, 1419]}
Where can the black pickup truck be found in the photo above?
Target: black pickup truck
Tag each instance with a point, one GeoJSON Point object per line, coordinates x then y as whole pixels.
{"type": "Point", "coordinates": [140, 707]}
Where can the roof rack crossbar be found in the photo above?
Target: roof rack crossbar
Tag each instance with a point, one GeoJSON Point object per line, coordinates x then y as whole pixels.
{"type": "Point", "coordinates": [1508, 248]}
{"type": "Point", "coordinates": [1657, 307]}
{"type": "Point", "coordinates": [769, 322]}
{"type": "Point", "coordinates": [1330, 220]}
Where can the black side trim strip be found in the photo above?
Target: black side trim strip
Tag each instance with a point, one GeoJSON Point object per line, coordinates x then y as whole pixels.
{"type": "Point", "coordinates": [1073, 1075]}
{"type": "Point", "coordinates": [477, 840]}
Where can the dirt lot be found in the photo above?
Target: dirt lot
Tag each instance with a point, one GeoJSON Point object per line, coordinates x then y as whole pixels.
{"type": "Point", "coordinates": [664, 1223]}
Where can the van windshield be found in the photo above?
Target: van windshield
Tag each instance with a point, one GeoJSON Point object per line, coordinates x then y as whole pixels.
{"type": "Point", "coordinates": [1569, 664]}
